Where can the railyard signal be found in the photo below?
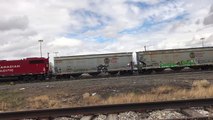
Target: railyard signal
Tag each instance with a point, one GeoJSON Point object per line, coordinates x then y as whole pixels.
{"type": "Point", "coordinates": [40, 42]}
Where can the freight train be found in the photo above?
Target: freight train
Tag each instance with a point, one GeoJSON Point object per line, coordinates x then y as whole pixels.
{"type": "Point", "coordinates": [113, 63]}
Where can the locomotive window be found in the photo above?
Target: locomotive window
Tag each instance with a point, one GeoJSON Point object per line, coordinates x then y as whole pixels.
{"type": "Point", "coordinates": [36, 61]}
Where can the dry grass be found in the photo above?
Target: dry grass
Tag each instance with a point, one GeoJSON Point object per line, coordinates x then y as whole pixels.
{"type": "Point", "coordinates": [200, 89]}
{"type": "Point", "coordinates": [201, 84]}
{"type": "Point", "coordinates": [42, 101]}
{"type": "Point", "coordinates": [163, 90]}
{"type": "Point", "coordinates": [92, 100]}
{"type": "Point", "coordinates": [3, 106]}
{"type": "Point", "coordinates": [10, 100]}
{"type": "Point", "coordinates": [13, 101]}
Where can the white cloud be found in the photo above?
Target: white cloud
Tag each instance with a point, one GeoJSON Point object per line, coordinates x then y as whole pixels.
{"type": "Point", "coordinates": [208, 20]}
{"type": "Point", "coordinates": [24, 22]}
{"type": "Point", "coordinates": [14, 23]}
{"type": "Point", "coordinates": [64, 42]}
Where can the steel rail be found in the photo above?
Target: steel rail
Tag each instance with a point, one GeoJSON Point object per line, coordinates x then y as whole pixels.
{"type": "Point", "coordinates": [168, 74]}
{"type": "Point", "coordinates": [193, 118]}
{"type": "Point", "coordinates": [106, 109]}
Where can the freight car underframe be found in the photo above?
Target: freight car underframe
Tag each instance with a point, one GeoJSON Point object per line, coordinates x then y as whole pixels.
{"type": "Point", "coordinates": [140, 71]}
{"type": "Point", "coordinates": [149, 70]}
{"type": "Point", "coordinates": [94, 73]}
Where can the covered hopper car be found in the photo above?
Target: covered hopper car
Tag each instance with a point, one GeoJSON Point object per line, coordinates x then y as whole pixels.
{"type": "Point", "coordinates": [175, 59]}
{"type": "Point", "coordinates": [67, 66]}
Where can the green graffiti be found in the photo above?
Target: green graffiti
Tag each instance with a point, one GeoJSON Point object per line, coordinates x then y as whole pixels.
{"type": "Point", "coordinates": [182, 63]}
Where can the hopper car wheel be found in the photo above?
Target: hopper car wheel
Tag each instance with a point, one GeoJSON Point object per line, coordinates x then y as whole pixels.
{"type": "Point", "coordinates": [126, 72]}
{"type": "Point", "coordinates": [58, 77]}
{"type": "Point", "coordinates": [177, 69]}
{"type": "Point", "coordinates": [211, 67]}
{"type": "Point", "coordinates": [159, 70]}
{"type": "Point", "coordinates": [206, 67]}
{"type": "Point", "coordinates": [113, 72]}
{"type": "Point", "coordinates": [130, 72]}
{"type": "Point", "coordinates": [140, 71]}
{"type": "Point", "coordinates": [195, 67]}
{"type": "Point", "coordinates": [123, 73]}
{"type": "Point", "coordinates": [66, 76]}
{"type": "Point", "coordinates": [94, 74]}
{"type": "Point", "coordinates": [77, 75]}
{"type": "Point", "coordinates": [147, 71]}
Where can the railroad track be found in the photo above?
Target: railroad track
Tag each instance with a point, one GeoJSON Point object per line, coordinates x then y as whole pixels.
{"type": "Point", "coordinates": [168, 73]}
{"type": "Point", "coordinates": [187, 108]}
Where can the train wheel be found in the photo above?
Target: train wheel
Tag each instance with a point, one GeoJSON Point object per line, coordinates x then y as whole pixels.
{"type": "Point", "coordinates": [58, 77]}
{"type": "Point", "coordinates": [77, 75]}
{"type": "Point", "coordinates": [94, 74]}
{"type": "Point", "coordinates": [195, 67]}
{"type": "Point", "coordinates": [148, 71]}
{"type": "Point", "coordinates": [177, 69]}
{"type": "Point", "coordinates": [206, 67]}
{"type": "Point", "coordinates": [130, 72]}
{"type": "Point", "coordinates": [141, 72]}
{"type": "Point", "coordinates": [20, 78]}
{"type": "Point", "coordinates": [67, 76]}
{"type": "Point", "coordinates": [126, 72]}
{"type": "Point", "coordinates": [40, 77]}
{"type": "Point", "coordinates": [144, 72]}
{"type": "Point", "coordinates": [32, 78]}
{"type": "Point", "coordinates": [123, 73]}
{"type": "Point", "coordinates": [211, 67]}
{"type": "Point", "coordinates": [25, 78]}
{"type": "Point", "coordinates": [113, 72]}
{"type": "Point", "coordinates": [159, 70]}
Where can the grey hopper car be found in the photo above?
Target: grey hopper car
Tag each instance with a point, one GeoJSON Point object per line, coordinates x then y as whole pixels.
{"type": "Point", "coordinates": [176, 59]}
{"type": "Point", "coordinates": [93, 64]}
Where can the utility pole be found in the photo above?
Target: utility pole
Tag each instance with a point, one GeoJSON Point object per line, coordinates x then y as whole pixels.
{"type": "Point", "coordinates": [40, 41]}
{"type": "Point", "coordinates": [202, 39]}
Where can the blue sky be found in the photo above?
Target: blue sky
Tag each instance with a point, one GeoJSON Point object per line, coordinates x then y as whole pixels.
{"type": "Point", "coordinates": [149, 23]}
{"type": "Point", "coordinates": [73, 27]}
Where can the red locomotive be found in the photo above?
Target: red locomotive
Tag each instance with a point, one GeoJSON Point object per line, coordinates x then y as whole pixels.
{"type": "Point", "coordinates": [29, 68]}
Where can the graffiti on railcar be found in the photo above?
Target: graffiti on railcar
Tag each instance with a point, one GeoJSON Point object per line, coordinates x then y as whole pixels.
{"type": "Point", "coordinates": [181, 63]}
{"type": "Point", "coordinates": [114, 60]}
{"type": "Point", "coordinates": [104, 67]}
